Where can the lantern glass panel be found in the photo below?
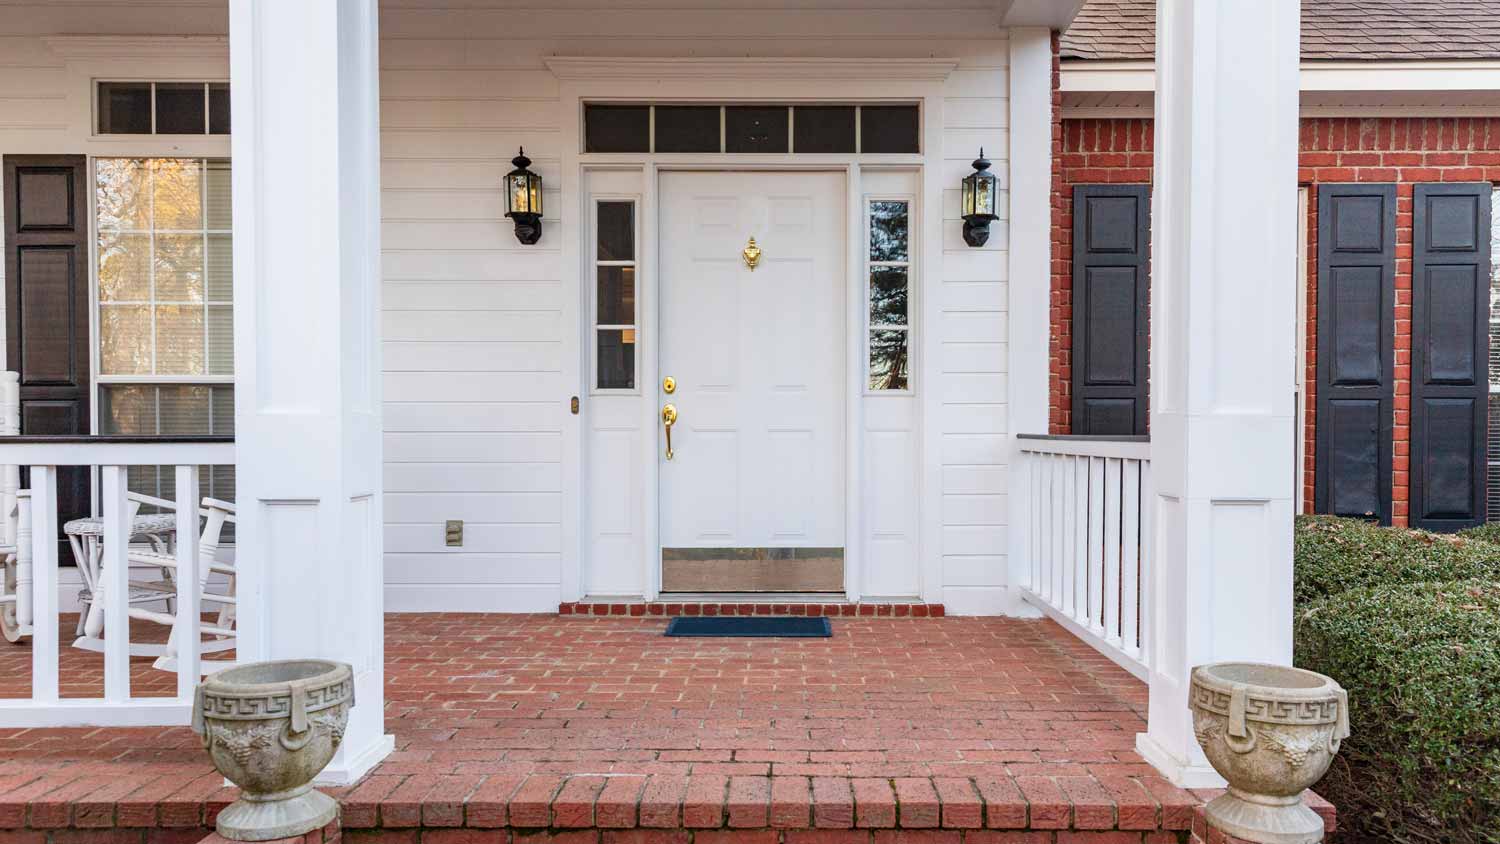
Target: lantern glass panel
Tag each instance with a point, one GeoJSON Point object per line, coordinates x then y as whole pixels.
{"type": "Point", "coordinates": [984, 194]}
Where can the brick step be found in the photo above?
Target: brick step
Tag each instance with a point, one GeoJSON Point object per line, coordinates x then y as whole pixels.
{"type": "Point", "coordinates": [767, 608]}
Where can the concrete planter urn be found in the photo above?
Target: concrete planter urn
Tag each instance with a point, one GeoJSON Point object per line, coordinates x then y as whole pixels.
{"type": "Point", "coordinates": [270, 727]}
{"type": "Point", "coordinates": [1270, 731]}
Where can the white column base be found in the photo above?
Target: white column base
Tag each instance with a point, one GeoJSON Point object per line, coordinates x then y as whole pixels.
{"type": "Point", "coordinates": [1179, 772]}
{"type": "Point", "coordinates": [351, 764]}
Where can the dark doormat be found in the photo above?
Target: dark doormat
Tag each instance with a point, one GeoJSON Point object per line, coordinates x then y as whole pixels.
{"type": "Point", "coordinates": [800, 627]}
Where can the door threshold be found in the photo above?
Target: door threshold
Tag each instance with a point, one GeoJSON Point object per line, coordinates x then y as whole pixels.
{"type": "Point", "coordinates": [758, 603]}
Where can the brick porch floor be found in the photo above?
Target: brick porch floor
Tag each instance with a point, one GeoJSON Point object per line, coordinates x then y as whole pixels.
{"type": "Point", "coordinates": [600, 729]}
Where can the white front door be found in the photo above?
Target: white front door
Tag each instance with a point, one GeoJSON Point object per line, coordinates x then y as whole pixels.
{"type": "Point", "coordinates": [753, 497]}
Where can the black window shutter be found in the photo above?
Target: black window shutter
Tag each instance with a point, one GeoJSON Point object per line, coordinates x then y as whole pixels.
{"type": "Point", "coordinates": [1111, 244]}
{"type": "Point", "coordinates": [1449, 361]}
{"type": "Point", "coordinates": [47, 306]}
{"type": "Point", "coordinates": [1356, 334]}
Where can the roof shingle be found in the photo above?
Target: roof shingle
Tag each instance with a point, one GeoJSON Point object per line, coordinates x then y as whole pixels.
{"type": "Point", "coordinates": [1343, 30]}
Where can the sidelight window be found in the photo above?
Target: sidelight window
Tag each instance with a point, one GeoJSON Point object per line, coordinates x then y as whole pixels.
{"type": "Point", "coordinates": [888, 274]}
{"type": "Point", "coordinates": [615, 313]}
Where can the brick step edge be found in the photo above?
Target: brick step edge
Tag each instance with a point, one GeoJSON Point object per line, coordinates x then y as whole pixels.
{"type": "Point", "coordinates": [330, 834]}
{"type": "Point", "coordinates": [712, 608]}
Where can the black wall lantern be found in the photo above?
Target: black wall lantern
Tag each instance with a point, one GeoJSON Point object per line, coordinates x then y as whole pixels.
{"type": "Point", "coordinates": [523, 200]}
{"type": "Point", "coordinates": [979, 202]}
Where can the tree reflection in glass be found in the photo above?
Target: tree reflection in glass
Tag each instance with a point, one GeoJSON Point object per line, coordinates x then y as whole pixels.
{"type": "Point", "coordinates": [888, 360]}
{"type": "Point", "coordinates": [889, 290]}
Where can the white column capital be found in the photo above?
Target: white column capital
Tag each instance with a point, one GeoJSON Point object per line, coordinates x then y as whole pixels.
{"type": "Point", "coordinates": [1223, 246]}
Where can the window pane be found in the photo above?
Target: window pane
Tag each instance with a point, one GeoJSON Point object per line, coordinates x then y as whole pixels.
{"type": "Point", "coordinates": [888, 360]}
{"type": "Point", "coordinates": [823, 129]}
{"type": "Point", "coordinates": [124, 108]}
{"type": "Point", "coordinates": [687, 128]}
{"type": "Point", "coordinates": [888, 231]}
{"type": "Point", "coordinates": [222, 417]}
{"type": "Point", "coordinates": [218, 108]}
{"type": "Point", "coordinates": [616, 128]}
{"type": "Point", "coordinates": [183, 410]}
{"type": "Point", "coordinates": [220, 209]}
{"type": "Point", "coordinates": [221, 339]}
{"type": "Point", "coordinates": [616, 296]}
{"type": "Point", "coordinates": [888, 129]}
{"type": "Point", "coordinates": [179, 268]}
{"type": "Point", "coordinates": [219, 267]}
{"type": "Point", "coordinates": [888, 296]}
{"type": "Point", "coordinates": [617, 231]}
{"type": "Point", "coordinates": [179, 108]}
{"type": "Point", "coordinates": [755, 129]}
{"type": "Point", "coordinates": [124, 267]}
{"type": "Point", "coordinates": [178, 194]}
{"type": "Point", "coordinates": [179, 340]}
{"type": "Point", "coordinates": [125, 340]}
{"type": "Point", "coordinates": [122, 193]}
{"type": "Point", "coordinates": [616, 358]}
{"type": "Point", "coordinates": [127, 409]}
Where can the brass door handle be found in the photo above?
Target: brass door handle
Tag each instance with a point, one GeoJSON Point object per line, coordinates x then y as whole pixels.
{"type": "Point", "coordinates": [668, 419]}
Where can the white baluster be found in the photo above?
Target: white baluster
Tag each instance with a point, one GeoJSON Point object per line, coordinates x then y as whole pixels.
{"type": "Point", "coordinates": [1063, 597]}
{"type": "Point", "coordinates": [114, 583]}
{"type": "Point", "coordinates": [1111, 572]}
{"type": "Point", "coordinates": [24, 556]}
{"type": "Point", "coordinates": [1130, 559]}
{"type": "Point", "coordinates": [192, 573]}
{"type": "Point", "coordinates": [1078, 610]}
{"type": "Point", "coordinates": [1096, 543]}
{"type": "Point", "coordinates": [1148, 565]}
{"type": "Point", "coordinates": [44, 584]}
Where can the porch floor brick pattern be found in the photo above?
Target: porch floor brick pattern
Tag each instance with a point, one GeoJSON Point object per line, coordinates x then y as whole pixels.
{"type": "Point", "coordinates": [550, 729]}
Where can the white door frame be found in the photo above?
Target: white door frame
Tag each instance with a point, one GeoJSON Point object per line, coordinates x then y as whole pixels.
{"type": "Point", "coordinates": [724, 81]}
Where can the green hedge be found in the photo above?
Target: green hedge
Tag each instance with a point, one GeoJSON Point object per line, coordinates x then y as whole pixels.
{"type": "Point", "coordinates": [1336, 554]}
{"type": "Point", "coordinates": [1421, 663]}
{"type": "Point", "coordinates": [1487, 532]}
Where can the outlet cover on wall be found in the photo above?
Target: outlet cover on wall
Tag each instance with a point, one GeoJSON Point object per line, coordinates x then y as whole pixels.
{"type": "Point", "coordinates": [454, 532]}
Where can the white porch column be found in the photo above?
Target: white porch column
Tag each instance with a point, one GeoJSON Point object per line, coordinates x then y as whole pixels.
{"type": "Point", "coordinates": [304, 88]}
{"type": "Point", "coordinates": [1223, 246]}
{"type": "Point", "coordinates": [1029, 284]}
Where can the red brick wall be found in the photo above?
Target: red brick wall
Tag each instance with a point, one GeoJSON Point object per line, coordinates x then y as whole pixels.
{"type": "Point", "coordinates": [1406, 151]}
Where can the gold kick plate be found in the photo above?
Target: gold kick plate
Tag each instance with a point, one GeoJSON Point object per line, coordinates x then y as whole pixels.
{"type": "Point", "coordinates": [751, 255]}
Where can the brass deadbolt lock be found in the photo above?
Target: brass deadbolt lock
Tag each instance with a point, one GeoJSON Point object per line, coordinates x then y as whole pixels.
{"type": "Point", "coordinates": [669, 385]}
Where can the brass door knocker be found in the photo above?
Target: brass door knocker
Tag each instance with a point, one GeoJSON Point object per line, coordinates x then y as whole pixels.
{"type": "Point", "coordinates": [751, 254]}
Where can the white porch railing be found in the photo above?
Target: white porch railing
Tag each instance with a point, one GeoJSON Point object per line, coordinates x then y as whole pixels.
{"type": "Point", "coordinates": [37, 586]}
{"type": "Point", "coordinates": [1088, 537]}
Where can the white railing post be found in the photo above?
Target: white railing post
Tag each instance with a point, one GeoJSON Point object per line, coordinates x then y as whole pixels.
{"type": "Point", "coordinates": [186, 639]}
{"type": "Point", "coordinates": [114, 583]}
{"type": "Point", "coordinates": [44, 652]}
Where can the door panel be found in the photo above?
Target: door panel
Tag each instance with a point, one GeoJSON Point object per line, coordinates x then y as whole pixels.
{"type": "Point", "coordinates": [47, 301]}
{"type": "Point", "coordinates": [1111, 236]}
{"type": "Point", "coordinates": [1356, 331]}
{"type": "Point", "coordinates": [758, 466]}
{"type": "Point", "coordinates": [1450, 368]}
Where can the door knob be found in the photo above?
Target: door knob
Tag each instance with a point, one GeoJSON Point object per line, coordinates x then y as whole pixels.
{"type": "Point", "coordinates": [668, 419]}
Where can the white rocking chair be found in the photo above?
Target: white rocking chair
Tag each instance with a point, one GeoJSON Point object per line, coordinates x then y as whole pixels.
{"type": "Point", "coordinates": [214, 592]}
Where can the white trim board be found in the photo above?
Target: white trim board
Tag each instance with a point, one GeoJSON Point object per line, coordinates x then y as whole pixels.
{"type": "Point", "coordinates": [583, 68]}
{"type": "Point", "coordinates": [1098, 76]}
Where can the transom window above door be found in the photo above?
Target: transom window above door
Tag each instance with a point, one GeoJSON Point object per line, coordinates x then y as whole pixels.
{"type": "Point", "coordinates": [707, 128]}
